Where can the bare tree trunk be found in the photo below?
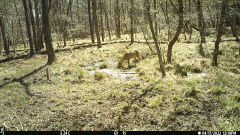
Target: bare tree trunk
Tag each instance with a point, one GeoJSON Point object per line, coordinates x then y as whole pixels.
{"type": "Point", "coordinates": [17, 37]}
{"type": "Point", "coordinates": [101, 17]}
{"type": "Point", "coordinates": [65, 32]}
{"type": "Point", "coordinates": [233, 19]}
{"type": "Point", "coordinates": [1, 46]}
{"type": "Point", "coordinates": [21, 31]}
{"type": "Point", "coordinates": [161, 64]}
{"type": "Point", "coordinates": [190, 19]}
{"type": "Point", "coordinates": [71, 20]}
{"type": "Point", "coordinates": [94, 7]}
{"type": "Point", "coordinates": [4, 36]}
{"type": "Point", "coordinates": [13, 37]}
{"type": "Point", "coordinates": [33, 27]}
{"type": "Point", "coordinates": [39, 29]}
{"type": "Point", "coordinates": [117, 20]}
{"type": "Point", "coordinates": [64, 36]}
{"type": "Point", "coordinates": [168, 23]}
{"type": "Point", "coordinates": [78, 16]}
{"type": "Point", "coordinates": [217, 17]}
{"type": "Point", "coordinates": [107, 21]}
{"type": "Point", "coordinates": [49, 5]}
{"type": "Point", "coordinates": [9, 42]}
{"type": "Point", "coordinates": [69, 7]}
{"type": "Point", "coordinates": [28, 28]}
{"type": "Point", "coordinates": [47, 32]}
{"type": "Point", "coordinates": [124, 20]}
{"type": "Point", "coordinates": [234, 28]}
{"type": "Point", "coordinates": [155, 17]}
{"type": "Point", "coordinates": [211, 17]}
{"type": "Point", "coordinates": [132, 23]}
{"type": "Point", "coordinates": [165, 13]}
{"type": "Point", "coordinates": [93, 24]}
{"type": "Point", "coordinates": [201, 26]}
{"type": "Point", "coordinates": [144, 36]}
{"type": "Point", "coordinates": [63, 24]}
{"type": "Point", "coordinates": [90, 22]}
{"type": "Point", "coordinates": [179, 28]}
{"type": "Point", "coordinates": [219, 34]}
{"type": "Point", "coordinates": [20, 25]}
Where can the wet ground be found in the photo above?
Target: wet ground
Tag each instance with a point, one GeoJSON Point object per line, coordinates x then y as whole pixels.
{"type": "Point", "coordinates": [128, 74]}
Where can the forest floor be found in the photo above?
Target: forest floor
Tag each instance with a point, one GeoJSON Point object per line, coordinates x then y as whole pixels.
{"type": "Point", "coordinates": [87, 91]}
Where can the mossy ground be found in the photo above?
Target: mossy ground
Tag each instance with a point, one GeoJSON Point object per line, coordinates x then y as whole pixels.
{"type": "Point", "coordinates": [74, 99]}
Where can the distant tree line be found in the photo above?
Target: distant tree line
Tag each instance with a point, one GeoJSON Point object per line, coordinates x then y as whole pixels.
{"type": "Point", "coordinates": [35, 24]}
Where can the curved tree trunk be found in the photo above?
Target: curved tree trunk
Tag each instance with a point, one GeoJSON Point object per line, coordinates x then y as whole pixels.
{"type": "Point", "coordinates": [219, 34]}
{"type": "Point", "coordinates": [178, 32]}
{"type": "Point", "coordinates": [47, 32]}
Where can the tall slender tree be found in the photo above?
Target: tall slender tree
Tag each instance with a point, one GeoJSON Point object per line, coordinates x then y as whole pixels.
{"type": "Point", "coordinates": [94, 6]}
{"type": "Point", "coordinates": [6, 48]}
{"type": "Point", "coordinates": [33, 26]}
{"type": "Point", "coordinates": [233, 17]}
{"type": "Point", "coordinates": [155, 17]}
{"type": "Point", "coordinates": [132, 21]}
{"type": "Point", "coordinates": [39, 29]}
{"type": "Point", "coordinates": [90, 22]}
{"type": "Point", "coordinates": [47, 32]}
{"type": "Point", "coordinates": [165, 13]}
{"type": "Point", "coordinates": [201, 26]}
{"type": "Point", "coordinates": [219, 32]}
{"type": "Point", "coordinates": [28, 28]}
{"type": "Point", "coordinates": [65, 23]}
{"type": "Point", "coordinates": [107, 20]}
{"type": "Point", "coordinates": [20, 24]}
{"type": "Point", "coordinates": [117, 19]}
{"type": "Point", "coordinates": [101, 18]}
{"type": "Point", "coordinates": [148, 13]}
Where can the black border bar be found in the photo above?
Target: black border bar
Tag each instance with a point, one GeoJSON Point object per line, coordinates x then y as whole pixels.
{"type": "Point", "coordinates": [100, 133]}
{"type": "Point", "coordinates": [121, 133]}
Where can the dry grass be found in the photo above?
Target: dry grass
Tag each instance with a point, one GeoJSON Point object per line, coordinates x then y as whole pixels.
{"type": "Point", "coordinates": [78, 100]}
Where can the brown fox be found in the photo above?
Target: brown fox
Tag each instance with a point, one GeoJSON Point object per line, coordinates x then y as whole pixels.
{"type": "Point", "coordinates": [129, 55]}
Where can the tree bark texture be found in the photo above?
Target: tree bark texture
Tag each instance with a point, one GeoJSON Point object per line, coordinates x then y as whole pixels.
{"type": "Point", "coordinates": [47, 32]}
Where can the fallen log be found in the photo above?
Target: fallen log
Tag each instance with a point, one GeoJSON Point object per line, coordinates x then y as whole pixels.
{"type": "Point", "coordinates": [14, 58]}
